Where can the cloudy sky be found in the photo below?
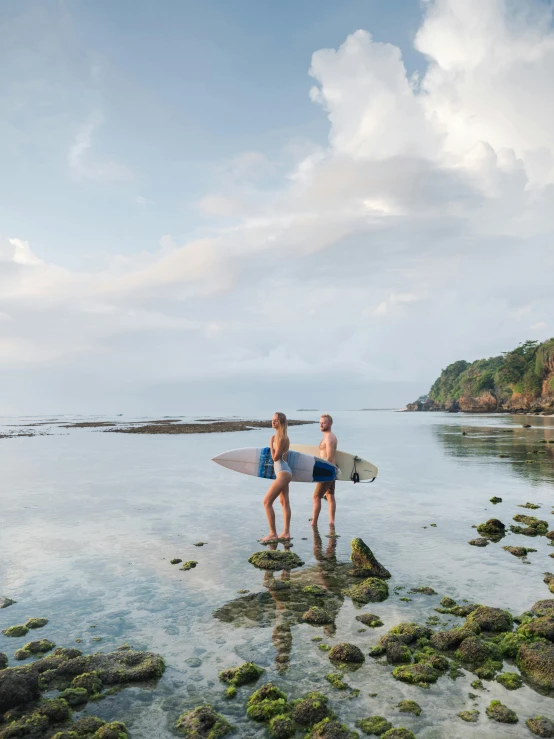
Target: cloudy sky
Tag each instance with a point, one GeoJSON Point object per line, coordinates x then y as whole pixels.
{"type": "Point", "coordinates": [232, 205]}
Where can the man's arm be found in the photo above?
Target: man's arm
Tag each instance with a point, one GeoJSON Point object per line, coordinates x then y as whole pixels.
{"type": "Point", "coordinates": [331, 448]}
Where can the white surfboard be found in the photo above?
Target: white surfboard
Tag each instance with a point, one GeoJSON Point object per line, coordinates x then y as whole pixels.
{"type": "Point", "coordinates": [258, 463]}
{"type": "Point", "coordinates": [348, 464]}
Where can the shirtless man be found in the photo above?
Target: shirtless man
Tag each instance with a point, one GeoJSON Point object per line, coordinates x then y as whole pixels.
{"type": "Point", "coordinates": [327, 450]}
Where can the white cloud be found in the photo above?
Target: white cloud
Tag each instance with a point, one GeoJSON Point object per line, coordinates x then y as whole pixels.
{"type": "Point", "coordinates": [84, 166]}
{"type": "Point", "coordinates": [419, 235]}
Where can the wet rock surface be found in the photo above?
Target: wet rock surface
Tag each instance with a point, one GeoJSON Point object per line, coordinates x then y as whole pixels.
{"type": "Point", "coordinates": [541, 726]}
{"type": "Point", "coordinates": [497, 711]}
{"type": "Point", "coordinates": [275, 560]}
{"type": "Point", "coordinates": [371, 590]}
{"type": "Point", "coordinates": [364, 561]}
{"type": "Point", "coordinates": [202, 722]}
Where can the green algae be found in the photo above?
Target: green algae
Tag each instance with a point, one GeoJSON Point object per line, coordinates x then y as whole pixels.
{"type": "Point", "coordinates": [371, 590]}
{"type": "Point", "coordinates": [477, 685]}
{"type": "Point", "coordinates": [16, 631]}
{"type": "Point", "coordinates": [330, 729]}
{"type": "Point", "coordinates": [533, 506]}
{"type": "Point", "coordinates": [488, 669]}
{"type": "Point", "coordinates": [317, 616]}
{"type": "Point", "coordinates": [89, 681]}
{"type": "Point", "coordinates": [421, 674]}
{"type": "Point", "coordinates": [335, 679]}
{"type": "Point", "coordinates": [370, 619]}
{"type": "Point", "coordinates": [346, 652]}
{"type": "Point", "coordinates": [203, 723]}
{"type": "Point", "coordinates": [408, 706]}
{"type": "Point", "coordinates": [190, 565]}
{"type": "Point", "coordinates": [497, 711]}
{"type": "Point", "coordinates": [275, 560]}
{"type": "Point", "coordinates": [377, 725]}
{"type": "Point", "coordinates": [243, 675]}
{"type": "Point", "coordinates": [33, 648]}
{"type": "Point", "coordinates": [364, 561]}
{"type": "Point", "coordinates": [316, 590]}
{"type": "Point", "coordinates": [543, 626]}
{"type": "Point", "coordinates": [266, 702]}
{"type": "Point", "coordinates": [399, 733]}
{"type": "Point", "coordinates": [510, 680]}
{"type": "Point", "coordinates": [36, 623]}
{"type": "Point", "coordinates": [469, 716]}
{"type": "Point", "coordinates": [540, 726]}
{"type": "Point", "coordinates": [324, 647]}
{"type": "Point", "coordinates": [74, 696]}
{"type": "Point", "coordinates": [113, 730]}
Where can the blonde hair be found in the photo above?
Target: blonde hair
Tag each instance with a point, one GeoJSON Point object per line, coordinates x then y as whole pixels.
{"type": "Point", "coordinates": [326, 415]}
{"type": "Point", "coordinates": [281, 432]}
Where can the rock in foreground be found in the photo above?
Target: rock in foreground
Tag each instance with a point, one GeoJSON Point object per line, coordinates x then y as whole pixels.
{"type": "Point", "coordinates": [364, 561]}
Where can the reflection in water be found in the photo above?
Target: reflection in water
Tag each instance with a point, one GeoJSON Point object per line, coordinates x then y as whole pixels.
{"type": "Point", "coordinates": [530, 452]}
{"type": "Point", "coordinates": [287, 599]}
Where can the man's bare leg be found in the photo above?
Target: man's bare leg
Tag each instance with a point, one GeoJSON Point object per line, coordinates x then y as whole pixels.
{"type": "Point", "coordinates": [317, 504]}
{"type": "Point", "coordinates": [272, 494]}
{"type": "Point", "coordinates": [286, 513]}
{"type": "Point", "coordinates": [332, 508]}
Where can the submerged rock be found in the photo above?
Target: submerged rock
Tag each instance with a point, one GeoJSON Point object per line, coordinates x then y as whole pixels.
{"type": "Point", "coordinates": [447, 602]}
{"type": "Point", "coordinates": [536, 661]}
{"type": "Point", "coordinates": [510, 680]}
{"type": "Point", "coordinates": [541, 527]}
{"type": "Point", "coordinates": [373, 725]}
{"type": "Point", "coordinates": [34, 647]}
{"type": "Point", "coordinates": [75, 696]}
{"type": "Point", "coordinates": [518, 551]}
{"type": "Point", "coordinates": [533, 506]}
{"type": "Point", "coordinates": [541, 726]}
{"type": "Point", "coordinates": [346, 653]}
{"type": "Point", "coordinates": [400, 733]}
{"type": "Point", "coordinates": [424, 591]}
{"type": "Point", "coordinates": [369, 619]}
{"type": "Point", "coordinates": [330, 729]}
{"type": "Point", "coordinates": [365, 562]}
{"type": "Point", "coordinates": [494, 500]}
{"type": "Point", "coordinates": [274, 560]}
{"type": "Point", "coordinates": [470, 716]}
{"type": "Point", "coordinates": [243, 675]}
{"type": "Point", "coordinates": [335, 679]}
{"type": "Point", "coordinates": [317, 616]}
{"type": "Point", "coordinates": [490, 619]}
{"type": "Point", "coordinates": [479, 542]}
{"type": "Point", "coordinates": [16, 631]}
{"type": "Point", "coordinates": [36, 623]}
{"type": "Point", "coordinates": [497, 711]}
{"type": "Point", "coordinates": [5, 602]}
{"type": "Point", "coordinates": [417, 674]}
{"type": "Point", "coordinates": [190, 565]}
{"type": "Point", "coordinates": [371, 590]}
{"type": "Point", "coordinates": [311, 709]}
{"type": "Point", "coordinates": [409, 707]}
{"type": "Point", "coordinates": [492, 528]}
{"type": "Point", "coordinates": [203, 723]}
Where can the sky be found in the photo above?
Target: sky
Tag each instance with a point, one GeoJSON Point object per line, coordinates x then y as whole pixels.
{"type": "Point", "coordinates": [232, 205]}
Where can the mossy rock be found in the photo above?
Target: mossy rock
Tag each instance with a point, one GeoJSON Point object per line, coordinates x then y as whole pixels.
{"type": "Point", "coordinates": [330, 729]}
{"type": "Point", "coordinates": [346, 652]}
{"type": "Point", "coordinates": [424, 590]}
{"type": "Point", "coordinates": [89, 681]}
{"type": "Point", "coordinates": [532, 506]}
{"type": "Point", "coordinates": [539, 627]}
{"type": "Point", "coordinates": [509, 644]}
{"type": "Point", "coordinates": [479, 542]}
{"type": "Point", "coordinates": [190, 565]}
{"type": "Point", "coordinates": [488, 669]}
{"type": "Point", "coordinates": [75, 696]}
{"type": "Point", "coordinates": [203, 723]}
{"type": "Point", "coordinates": [475, 650]}
{"type": "Point", "coordinates": [274, 560]}
{"type": "Point", "coordinates": [495, 499]}
{"type": "Point", "coordinates": [510, 680]}
{"type": "Point", "coordinates": [497, 711]}
{"type": "Point", "coordinates": [518, 551]}
{"type": "Point", "coordinates": [449, 640]}
{"type": "Point", "coordinates": [540, 526]}
{"type": "Point", "coordinates": [493, 528]}
{"type": "Point", "coordinates": [371, 590]}
{"type": "Point", "coordinates": [33, 648]}
{"type": "Point", "coordinates": [447, 602]}
{"type": "Point", "coordinates": [114, 730]}
{"type": "Point", "coordinates": [490, 619]}
{"type": "Point", "coordinates": [400, 733]}
{"type": "Point", "coordinates": [421, 674]}
{"type": "Point", "coordinates": [335, 679]}
{"type": "Point", "coordinates": [409, 632]}
{"type": "Point", "coordinates": [316, 590]}
{"type": "Point", "coordinates": [36, 623]}
{"type": "Point", "coordinates": [87, 725]}
{"type": "Point", "coordinates": [398, 653]}
{"type": "Point", "coordinates": [266, 702]}
{"type": "Point", "coordinates": [543, 607]}
{"type": "Point", "coordinates": [377, 725]}
{"type": "Point", "coordinates": [243, 675]}
{"type": "Point", "coordinates": [541, 726]}
{"type": "Point", "coordinates": [311, 709]}
{"type": "Point", "coordinates": [536, 661]}
{"type": "Point", "coordinates": [16, 631]}
{"type": "Point", "coordinates": [370, 619]}
{"type": "Point", "coordinates": [409, 707]}
{"type": "Point", "coordinates": [317, 616]}
{"type": "Point", "coordinates": [364, 560]}
{"type": "Point", "coordinates": [469, 716]}
{"type": "Point", "coordinates": [282, 727]}
{"type": "Point", "coordinates": [175, 561]}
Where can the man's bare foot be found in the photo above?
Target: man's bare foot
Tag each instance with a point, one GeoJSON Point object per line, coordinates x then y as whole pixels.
{"type": "Point", "coordinates": [271, 537]}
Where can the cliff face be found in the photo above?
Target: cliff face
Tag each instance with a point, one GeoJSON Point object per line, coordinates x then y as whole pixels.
{"type": "Point", "coordinates": [519, 381]}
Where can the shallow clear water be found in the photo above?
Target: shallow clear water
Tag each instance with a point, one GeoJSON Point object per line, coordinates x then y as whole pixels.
{"type": "Point", "coordinates": [90, 520]}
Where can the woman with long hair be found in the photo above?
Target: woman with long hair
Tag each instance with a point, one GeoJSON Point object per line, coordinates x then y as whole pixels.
{"type": "Point", "coordinates": [279, 446]}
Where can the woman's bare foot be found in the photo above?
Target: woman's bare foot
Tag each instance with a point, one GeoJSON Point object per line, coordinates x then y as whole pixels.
{"type": "Point", "coordinates": [272, 536]}
{"type": "Point", "coordinates": [285, 536]}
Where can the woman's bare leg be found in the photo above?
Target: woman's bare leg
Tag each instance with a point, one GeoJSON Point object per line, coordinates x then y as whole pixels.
{"type": "Point", "coordinates": [274, 491]}
{"type": "Point", "coordinates": [286, 513]}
